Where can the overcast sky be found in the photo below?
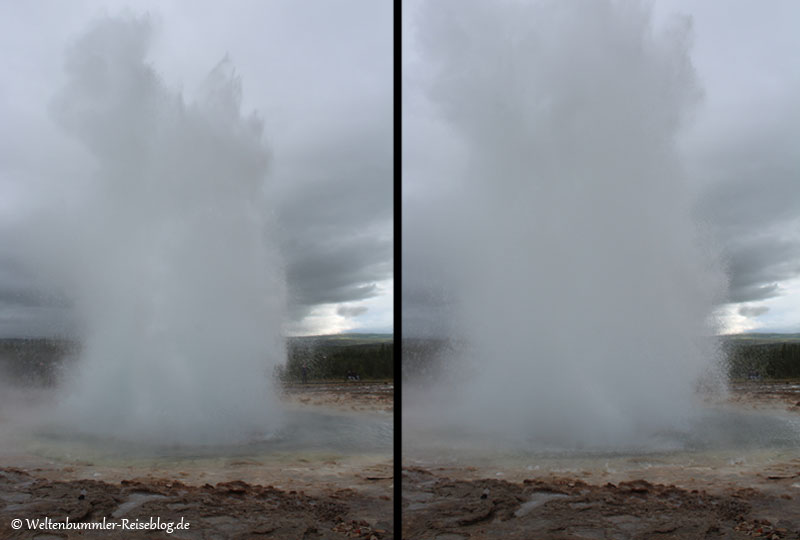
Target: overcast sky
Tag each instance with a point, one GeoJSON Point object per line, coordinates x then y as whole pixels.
{"type": "Point", "coordinates": [743, 152]}
{"type": "Point", "coordinates": [320, 75]}
{"type": "Point", "coordinates": [740, 150]}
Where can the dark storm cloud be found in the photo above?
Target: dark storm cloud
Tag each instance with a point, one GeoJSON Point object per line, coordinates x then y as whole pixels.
{"type": "Point", "coordinates": [335, 217]}
{"type": "Point", "coordinates": [337, 271]}
{"type": "Point", "coordinates": [758, 264]}
{"type": "Point", "coordinates": [752, 203]}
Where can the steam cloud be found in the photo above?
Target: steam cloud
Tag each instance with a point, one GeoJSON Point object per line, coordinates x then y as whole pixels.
{"type": "Point", "coordinates": [166, 250]}
{"type": "Point", "coordinates": [575, 286]}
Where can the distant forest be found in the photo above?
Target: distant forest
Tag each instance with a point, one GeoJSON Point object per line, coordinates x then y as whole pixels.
{"type": "Point", "coordinates": [366, 356]}
{"type": "Point", "coordinates": [371, 356]}
{"type": "Point", "coordinates": [749, 356]}
{"type": "Point", "coordinates": [39, 362]}
{"type": "Point", "coordinates": [763, 356]}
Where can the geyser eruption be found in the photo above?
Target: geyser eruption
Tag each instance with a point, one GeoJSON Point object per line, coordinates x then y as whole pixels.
{"type": "Point", "coordinates": [581, 288]}
{"type": "Point", "coordinates": [167, 251]}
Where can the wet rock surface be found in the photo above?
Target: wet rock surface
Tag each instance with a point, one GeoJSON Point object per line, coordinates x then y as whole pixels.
{"type": "Point", "coordinates": [742, 494]}
{"type": "Point", "coordinates": [283, 495]}
{"type": "Point", "coordinates": [226, 510]}
{"type": "Point", "coordinates": [440, 507]}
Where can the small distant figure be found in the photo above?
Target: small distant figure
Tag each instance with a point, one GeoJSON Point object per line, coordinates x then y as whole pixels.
{"type": "Point", "coordinates": [305, 373]}
{"type": "Point", "coordinates": [352, 375]}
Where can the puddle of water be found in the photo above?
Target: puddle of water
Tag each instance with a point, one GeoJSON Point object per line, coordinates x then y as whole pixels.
{"type": "Point", "coordinates": [717, 437]}
{"type": "Point", "coordinates": [306, 433]}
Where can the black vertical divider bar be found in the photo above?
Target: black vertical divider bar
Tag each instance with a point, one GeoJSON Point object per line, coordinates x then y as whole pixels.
{"type": "Point", "coordinates": [398, 274]}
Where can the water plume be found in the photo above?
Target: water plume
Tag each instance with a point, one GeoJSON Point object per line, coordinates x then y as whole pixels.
{"type": "Point", "coordinates": [166, 250]}
{"type": "Point", "coordinates": [580, 286]}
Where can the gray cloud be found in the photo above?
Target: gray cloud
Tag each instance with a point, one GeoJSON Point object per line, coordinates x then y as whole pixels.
{"type": "Point", "coordinates": [753, 311]}
{"type": "Point", "coordinates": [743, 149]}
{"type": "Point", "coordinates": [758, 264]}
{"type": "Point", "coordinates": [351, 311]}
{"type": "Point", "coordinates": [320, 76]}
{"type": "Point", "coordinates": [335, 215]}
{"type": "Point", "coordinates": [752, 199]}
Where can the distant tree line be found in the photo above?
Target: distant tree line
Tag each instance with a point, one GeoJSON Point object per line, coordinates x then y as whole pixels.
{"type": "Point", "coordinates": [337, 361]}
{"type": "Point", "coordinates": [424, 358]}
{"type": "Point", "coordinates": [763, 360]}
{"type": "Point", "coordinates": [34, 362]}
{"type": "Point", "coordinates": [41, 362]}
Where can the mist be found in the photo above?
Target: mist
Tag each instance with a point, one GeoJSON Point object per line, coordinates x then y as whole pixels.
{"type": "Point", "coordinates": [553, 242]}
{"type": "Point", "coordinates": [160, 235]}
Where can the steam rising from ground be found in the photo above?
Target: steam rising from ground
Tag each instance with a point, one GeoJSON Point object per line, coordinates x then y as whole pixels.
{"type": "Point", "coordinates": [166, 250]}
{"type": "Point", "coordinates": [581, 288]}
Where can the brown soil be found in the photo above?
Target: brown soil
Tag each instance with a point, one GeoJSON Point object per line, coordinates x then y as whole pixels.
{"type": "Point", "coordinates": [768, 394]}
{"type": "Point", "coordinates": [438, 507]}
{"type": "Point", "coordinates": [235, 510]}
{"type": "Point", "coordinates": [275, 497]}
{"type": "Point", "coordinates": [353, 396]}
{"type": "Point", "coordinates": [652, 502]}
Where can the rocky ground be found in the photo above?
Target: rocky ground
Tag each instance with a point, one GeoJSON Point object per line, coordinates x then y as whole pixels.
{"type": "Point", "coordinates": [767, 394]}
{"type": "Point", "coordinates": [226, 510]}
{"type": "Point", "coordinates": [353, 395]}
{"type": "Point", "coordinates": [281, 497]}
{"type": "Point", "coordinates": [653, 502]}
{"type": "Point", "coordinates": [443, 508]}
